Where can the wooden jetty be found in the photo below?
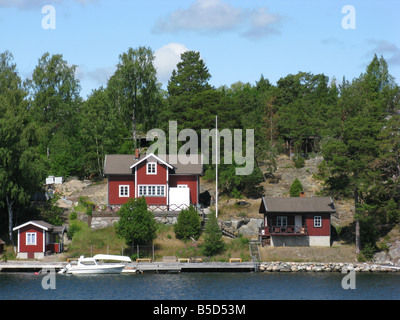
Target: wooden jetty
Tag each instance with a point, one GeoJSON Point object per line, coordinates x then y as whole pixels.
{"type": "Point", "coordinates": [172, 267]}
{"type": "Point", "coordinates": [158, 267]}
{"type": "Point", "coordinates": [29, 266]}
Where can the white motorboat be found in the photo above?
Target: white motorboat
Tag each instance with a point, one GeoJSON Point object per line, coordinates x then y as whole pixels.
{"type": "Point", "coordinates": [95, 265]}
{"type": "Point", "coordinates": [109, 257]}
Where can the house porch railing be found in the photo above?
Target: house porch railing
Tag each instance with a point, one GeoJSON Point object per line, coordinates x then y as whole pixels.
{"type": "Point", "coordinates": [284, 230]}
{"type": "Point", "coordinates": [153, 208]}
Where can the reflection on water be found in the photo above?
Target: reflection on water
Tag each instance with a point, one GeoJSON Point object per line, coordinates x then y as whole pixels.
{"type": "Point", "coordinates": [200, 286]}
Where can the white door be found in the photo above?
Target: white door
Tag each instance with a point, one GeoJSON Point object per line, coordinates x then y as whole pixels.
{"type": "Point", "coordinates": [298, 221]}
{"type": "Point", "coordinates": [179, 198]}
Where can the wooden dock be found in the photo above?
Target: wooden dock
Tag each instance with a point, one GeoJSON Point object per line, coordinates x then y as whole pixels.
{"type": "Point", "coordinates": [166, 267]}
{"type": "Point", "coordinates": [158, 267]}
{"type": "Point", "coordinates": [29, 266]}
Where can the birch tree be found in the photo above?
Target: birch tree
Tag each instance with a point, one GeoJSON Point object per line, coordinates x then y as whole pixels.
{"type": "Point", "coordinates": [21, 168]}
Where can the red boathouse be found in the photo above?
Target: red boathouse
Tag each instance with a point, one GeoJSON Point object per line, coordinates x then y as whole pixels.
{"type": "Point", "coordinates": [166, 183]}
{"type": "Point", "coordinates": [38, 238]}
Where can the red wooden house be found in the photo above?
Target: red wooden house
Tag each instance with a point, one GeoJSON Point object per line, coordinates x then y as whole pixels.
{"type": "Point", "coordinates": [165, 184]}
{"type": "Point", "coordinates": [38, 238]}
{"type": "Point", "coordinates": [296, 221]}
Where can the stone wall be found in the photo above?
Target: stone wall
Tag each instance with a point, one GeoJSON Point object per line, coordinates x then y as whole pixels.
{"type": "Point", "coordinates": [279, 266]}
{"type": "Point", "coordinates": [104, 219]}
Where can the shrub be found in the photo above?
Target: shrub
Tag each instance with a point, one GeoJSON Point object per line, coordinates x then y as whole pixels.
{"type": "Point", "coordinates": [188, 224]}
{"type": "Point", "coordinates": [296, 188]}
{"type": "Point", "coordinates": [73, 216]}
{"type": "Point", "coordinates": [136, 223]}
{"type": "Point", "coordinates": [299, 162]}
{"type": "Point", "coordinates": [213, 242]}
{"type": "Point", "coordinates": [72, 230]}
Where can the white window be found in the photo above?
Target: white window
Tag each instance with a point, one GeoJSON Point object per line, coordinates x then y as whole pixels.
{"type": "Point", "coordinates": [281, 221]}
{"type": "Point", "coordinates": [317, 222]}
{"type": "Point", "coordinates": [152, 191]}
{"type": "Point", "coordinates": [182, 185]}
{"type": "Point", "coordinates": [31, 239]}
{"type": "Point", "coordinates": [152, 168]}
{"type": "Point", "coordinates": [124, 190]}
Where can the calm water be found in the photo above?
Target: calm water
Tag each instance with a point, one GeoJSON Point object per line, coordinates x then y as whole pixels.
{"type": "Point", "coordinates": [201, 286]}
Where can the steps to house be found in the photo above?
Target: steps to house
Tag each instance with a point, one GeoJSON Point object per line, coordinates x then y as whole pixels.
{"type": "Point", "coordinates": [254, 251]}
{"type": "Point", "coordinates": [227, 232]}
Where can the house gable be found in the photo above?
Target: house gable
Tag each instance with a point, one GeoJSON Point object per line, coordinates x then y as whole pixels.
{"type": "Point", "coordinates": [34, 239]}
{"type": "Point", "coordinates": [150, 176]}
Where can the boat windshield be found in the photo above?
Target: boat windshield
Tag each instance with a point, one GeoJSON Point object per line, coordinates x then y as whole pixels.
{"type": "Point", "coordinates": [88, 262]}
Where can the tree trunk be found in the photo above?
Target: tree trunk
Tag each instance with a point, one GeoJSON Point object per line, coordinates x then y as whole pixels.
{"type": "Point", "coordinates": [10, 219]}
{"type": "Point", "coordinates": [134, 118]}
{"type": "Point", "coordinates": [356, 200]}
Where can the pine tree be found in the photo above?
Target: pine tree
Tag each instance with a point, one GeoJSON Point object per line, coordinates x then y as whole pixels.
{"type": "Point", "coordinates": [213, 242]}
{"type": "Point", "coordinates": [296, 188]}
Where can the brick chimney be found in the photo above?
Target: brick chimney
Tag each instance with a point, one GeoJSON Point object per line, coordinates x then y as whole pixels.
{"type": "Point", "coordinates": [302, 194]}
{"type": "Point", "coordinates": [137, 154]}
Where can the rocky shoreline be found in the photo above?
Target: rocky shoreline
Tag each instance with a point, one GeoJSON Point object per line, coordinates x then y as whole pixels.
{"type": "Point", "coordinates": [278, 266]}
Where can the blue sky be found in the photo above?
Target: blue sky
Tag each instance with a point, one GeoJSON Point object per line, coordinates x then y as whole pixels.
{"type": "Point", "coordinates": [238, 40]}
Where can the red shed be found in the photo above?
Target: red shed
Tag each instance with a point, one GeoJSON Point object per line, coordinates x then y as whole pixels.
{"type": "Point", "coordinates": [38, 238]}
{"type": "Point", "coordinates": [163, 180]}
{"type": "Point", "coordinates": [297, 221]}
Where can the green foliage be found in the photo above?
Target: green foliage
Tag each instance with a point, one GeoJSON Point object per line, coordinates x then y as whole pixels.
{"type": "Point", "coordinates": [188, 224]}
{"type": "Point", "coordinates": [236, 185]}
{"type": "Point", "coordinates": [392, 211]}
{"type": "Point", "coordinates": [47, 128]}
{"type": "Point", "coordinates": [296, 188]}
{"type": "Point", "coordinates": [191, 75]}
{"type": "Point", "coordinates": [73, 216]}
{"type": "Point", "coordinates": [213, 243]}
{"type": "Point", "coordinates": [72, 230]}
{"type": "Point", "coordinates": [299, 161]}
{"type": "Point", "coordinates": [136, 224]}
{"type": "Point", "coordinates": [134, 89]}
{"type": "Point", "coordinates": [87, 205]}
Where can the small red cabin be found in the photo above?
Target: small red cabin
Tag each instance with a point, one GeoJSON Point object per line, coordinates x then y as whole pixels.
{"type": "Point", "coordinates": [38, 238]}
{"type": "Point", "coordinates": [164, 181]}
{"type": "Point", "coordinates": [296, 221]}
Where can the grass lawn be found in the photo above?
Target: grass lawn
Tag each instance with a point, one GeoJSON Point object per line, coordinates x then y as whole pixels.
{"type": "Point", "coordinates": [342, 253]}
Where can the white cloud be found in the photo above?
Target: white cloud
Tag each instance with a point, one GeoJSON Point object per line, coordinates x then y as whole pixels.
{"type": "Point", "coordinates": [262, 23]}
{"type": "Point", "coordinates": [214, 16]}
{"type": "Point", "coordinates": [203, 16]}
{"type": "Point", "coordinates": [166, 59]}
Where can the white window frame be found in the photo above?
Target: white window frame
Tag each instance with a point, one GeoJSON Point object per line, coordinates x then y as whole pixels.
{"type": "Point", "coordinates": [182, 185]}
{"type": "Point", "coordinates": [281, 221]}
{"type": "Point", "coordinates": [317, 221]}
{"type": "Point", "coordinates": [124, 190]}
{"type": "Point", "coordinates": [152, 190]}
{"type": "Point", "coordinates": [151, 168]}
{"type": "Point", "coordinates": [31, 239]}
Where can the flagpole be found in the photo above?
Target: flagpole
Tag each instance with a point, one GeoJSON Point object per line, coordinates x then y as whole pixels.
{"type": "Point", "coordinates": [216, 166]}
